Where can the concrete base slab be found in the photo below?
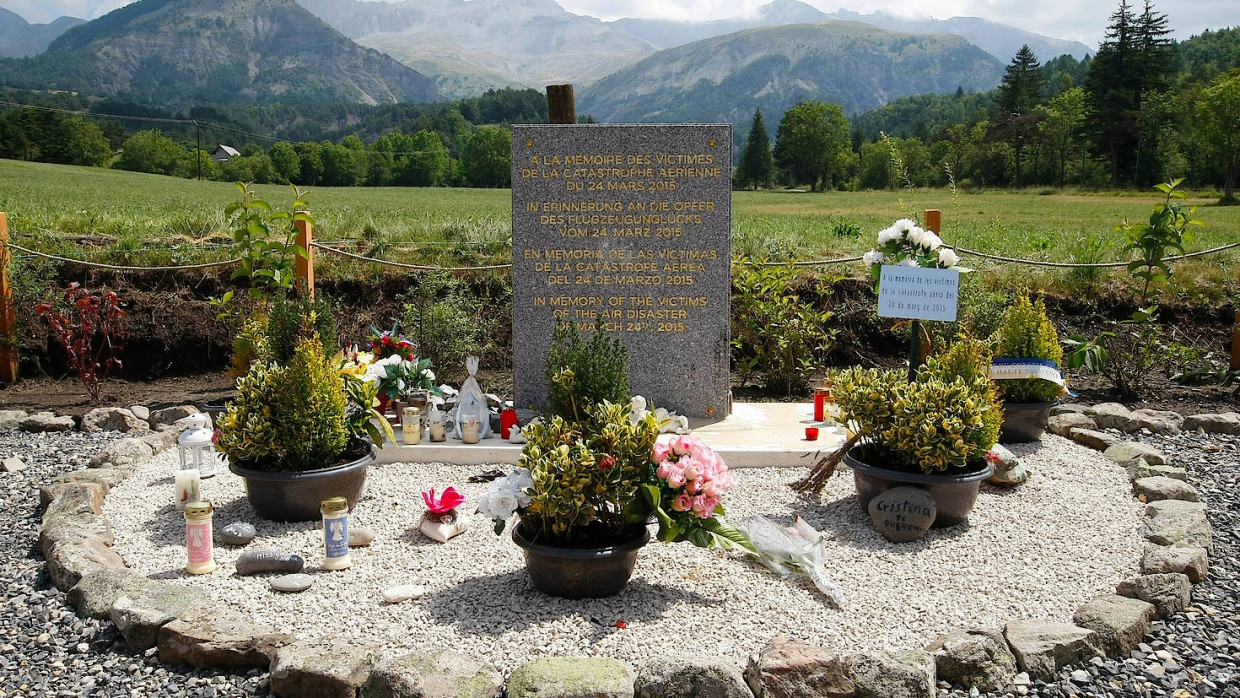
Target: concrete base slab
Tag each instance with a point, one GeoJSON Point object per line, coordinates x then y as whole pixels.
{"type": "Point", "coordinates": [755, 435]}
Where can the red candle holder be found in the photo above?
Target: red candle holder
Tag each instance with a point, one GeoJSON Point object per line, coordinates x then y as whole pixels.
{"type": "Point", "coordinates": [811, 433]}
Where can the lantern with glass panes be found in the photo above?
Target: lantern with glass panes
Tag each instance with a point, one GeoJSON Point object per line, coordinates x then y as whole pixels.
{"type": "Point", "coordinates": [195, 447]}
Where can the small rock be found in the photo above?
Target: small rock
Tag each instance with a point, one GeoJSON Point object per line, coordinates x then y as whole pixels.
{"type": "Point", "coordinates": [96, 591]}
{"type": "Point", "coordinates": [1065, 408]}
{"type": "Point", "coordinates": [430, 675]}
{"type": "Point", "coordinates": [975, 658]}
{"type": "Point", "coordinates": [691, 677]}
{"type": "Point", "coordinates": [12, 465]}
{"type": "Point", "coordinates": [237, 533]}
{"type": "Point", "coordinates": [1097, 440]}
{"type": "Point", "coordinates": [1081, 676]}
{"type": "Point", "coordinates": [141, 412]}
{"type": "Point", "coordinates": [1157, 488]}
{"type": "Point", "coordinates": [260, 560]}
{"type": "Point", "coordinates": [1173, 521]}
{"type": "Point", "coordinates": [787, 667]}
{"type": "Point", "coordinates": [886, 675]}
{"type": "Point", "coordinates": [71, 559]}
{"type": "Point", "coordinates": [292, 583]}
{"type": "Point", "coordinates": [139, 618]}
{"type": "Point", "coordinates": [403, 592]}
{"type": "Point", "coordinates": [360, 536]}
{"type": "Point", "coordinates": [218, 638]}
{"type": "Point", "coordinates": [122, 454]}
{"type": "Point", "coordinates": [1064, 424]}
{"type": "Point", "coordinates": [323, 667]}
{"type": "Point", "coordinates": [1042, 648]}
{"type": "Point", "coordinates": [1143, 469]}
{"type": "Point", "coordinates": [46, 422]}
{"type": "Point", "coordinates": [1224, 423]}
{"type": "Point", "coordinates": [903, 514]}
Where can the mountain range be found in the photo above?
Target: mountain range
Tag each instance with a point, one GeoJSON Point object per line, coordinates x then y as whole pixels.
{"type": "Point", "coordinates": [177, 52]}
{"type": "Point", "coordinates": [19, 38]}
{"type": "Point", "coordinates": [723, 79]}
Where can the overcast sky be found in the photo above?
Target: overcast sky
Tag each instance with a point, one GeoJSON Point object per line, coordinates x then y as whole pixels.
{"type": "Point", "coordinates": [1083, 20]}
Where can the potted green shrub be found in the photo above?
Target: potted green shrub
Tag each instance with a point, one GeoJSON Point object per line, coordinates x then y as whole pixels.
{"type": "Point", "coordinates": [932, 432]}
{"type": "Point", "coordinates": [591, 476]}
{"type": "Point", "coordinates": [300, 429]}
{"type": "Point", "coordinates": [1024, 345]}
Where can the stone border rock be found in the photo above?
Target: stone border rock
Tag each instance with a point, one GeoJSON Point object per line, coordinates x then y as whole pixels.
{"type": "Point", "coordinates": [76, 541]}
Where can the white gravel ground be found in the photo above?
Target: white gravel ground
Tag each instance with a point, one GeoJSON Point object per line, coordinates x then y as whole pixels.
{"type": "Point", "coordinates": [1038, 551]}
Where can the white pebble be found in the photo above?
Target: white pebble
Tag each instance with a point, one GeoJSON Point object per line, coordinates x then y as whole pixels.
{"type": "Point", "coordinates": [403, 593]}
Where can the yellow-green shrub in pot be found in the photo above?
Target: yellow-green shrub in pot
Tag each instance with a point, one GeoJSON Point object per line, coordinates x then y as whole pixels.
{"type": "Point", "coordinates": [1026, 337]}
{"type": "Point", "coordinates": [933, 432]}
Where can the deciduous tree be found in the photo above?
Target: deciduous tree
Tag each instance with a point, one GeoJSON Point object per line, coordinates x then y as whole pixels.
{"type": "Point", "coordinates": [812, 140]}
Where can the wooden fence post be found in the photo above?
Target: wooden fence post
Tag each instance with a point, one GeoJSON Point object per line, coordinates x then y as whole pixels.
{"type": "Point", "coordinates": [8, 314]}
{"type": "Point", "coordinates": [561, 107]}
{"type": "Point", "coordinates": [305, 265]}
{"type": "Point", "coordinates": [1235, 342]}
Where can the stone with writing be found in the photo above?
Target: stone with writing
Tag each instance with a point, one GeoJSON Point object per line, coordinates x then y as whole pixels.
{"type": "Point", "coordinates": [630, 226]}
{"type": "Point", "coordinates": [263, 560]}
{"type": "Point", "coordinates": [903, 514]}
{"type": "Point", "coordinates": [238, 533]}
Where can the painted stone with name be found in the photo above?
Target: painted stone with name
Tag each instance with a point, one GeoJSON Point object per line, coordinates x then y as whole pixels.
{"type": "Point", "coordinates": [629, 226]}
{"type": "Point", "coordinates": [903, 514]}
{"type": "Point", "coordinates": [263, 560]}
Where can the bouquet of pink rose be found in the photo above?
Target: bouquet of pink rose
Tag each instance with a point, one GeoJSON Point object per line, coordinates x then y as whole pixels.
{"type": "Point", "coordinates": [682, 489]}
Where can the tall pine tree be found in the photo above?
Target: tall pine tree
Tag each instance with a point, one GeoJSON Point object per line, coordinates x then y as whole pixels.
{"type": "Point", "coordinates": [1134, 59]}
{"type": "Point", "coordinates": [757, 166]}
{"type": "Point", "coordinates": [1019, 93]}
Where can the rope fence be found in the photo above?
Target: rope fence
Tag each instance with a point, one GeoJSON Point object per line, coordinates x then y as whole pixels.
{"type": "Point", "coordinates": [333, 248]}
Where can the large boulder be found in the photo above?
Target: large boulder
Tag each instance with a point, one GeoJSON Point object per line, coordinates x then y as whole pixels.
{"type": "Point", "coordinates": [46, 422]}
{"type": "Point", "coordinates": [1112, 415]}
{"type": "Point", "coordinates": [323, 668]}
{"type": "Point", "coordinates": [974, 659]}
{"type": "Point", "coordinates": [69, 560]}
{"type": "Point", "coordinates": [1169, 593]}
{"type": "Point", "coordinates": [1161, 487]}
{"type": "Point", "coordinates": [691, 676]}
{"type": "Point", "coordinates": [1127, 454]}
{"type": "Point", "coordinates": [1042, 648]}
{"type": "Point", "coordinates": [113, 419]}
{"type": "Point", "coordinates": [886, 675]}
{"type": "Point", "coordinates": [73, 498]}
{"type": "Point", "coordinates": [210, 638]}
{"type": "Point", "coordinates": [1120, 622]}
{"type": "Point", "coordinates": [1171, 522]}
{"type": "Point", "coordinates": [1223, 423]}
{"type": "Point", "coordinates": [96, 591]}
{"type": "Point", "coordinates": [139, 618]}
{"type": "Point", "coordinates": [1097, 440]}
{"type": "Point", "coordinates": [426, 675]}
{"type": "Point", "coordinates": [571, 677]}
{"type": "Point", "coordinates": [168, 417]}
{"type": "Point", "coordinates": [787, 668]}
{"type": "Point", "coordinates": [123, 453]}
{"type": "Point", "coordinates": [11, 419]}
{"type": "Point", "coordinates": [59, 527]}
{"type": "Point", "coordinates": [1163, 422]}
{"type": "Point", "coordinates": [1189, 560]}
{"type": "Point", "coordinates": [1064, 424]}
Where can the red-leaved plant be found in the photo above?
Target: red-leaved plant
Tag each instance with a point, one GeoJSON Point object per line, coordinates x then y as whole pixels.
{"type": "Point", "coordinates": [92, 330]}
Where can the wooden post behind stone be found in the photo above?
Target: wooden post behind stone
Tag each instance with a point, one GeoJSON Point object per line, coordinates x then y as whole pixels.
{"type": "Point", "coordinates": [1235, 343]}
{"type": "Point", "coordinates": [8, 314]}
{"type": "Point", "coordinates": [305, 265]}
{"type": "Point", "coordinates": [561, 107]}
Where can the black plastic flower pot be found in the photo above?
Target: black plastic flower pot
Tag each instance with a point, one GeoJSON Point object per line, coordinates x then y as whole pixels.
{"type": "Point", "coordinates": [281, 496]}
{"type": "Point", "coordinates": [954, 495]}
{"type": "Point", "coordinates": [1024, 422]}
{"type": "Point", "coordinates": [581, 573]}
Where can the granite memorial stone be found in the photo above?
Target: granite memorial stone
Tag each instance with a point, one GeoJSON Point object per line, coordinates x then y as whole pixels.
{"type": "Point", "coordinates": [630, 225]}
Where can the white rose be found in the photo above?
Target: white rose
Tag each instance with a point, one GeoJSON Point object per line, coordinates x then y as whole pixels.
{"type": "Point", "coordinates": [917, 236]}
{"type": "Point", "coordinates": [873, 257]}
{"type": "Point", "coordinates": [909, 262]}
{"type": "Point", "coordinates": [948, 258]}
{"type": "Point", "coordinates": [428, 374]}
{"type": "Point", "coordinates": [931, 241]}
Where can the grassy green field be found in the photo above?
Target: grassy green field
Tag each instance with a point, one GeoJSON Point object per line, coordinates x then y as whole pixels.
{"type": "Point", "coordinates": [468, 226]}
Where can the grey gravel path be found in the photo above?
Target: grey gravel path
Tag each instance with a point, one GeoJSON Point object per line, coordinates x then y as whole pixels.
{"type": "Point", "coordinates": [46, 650]}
